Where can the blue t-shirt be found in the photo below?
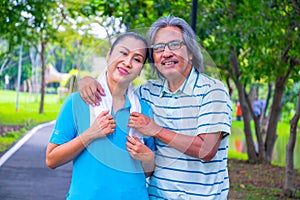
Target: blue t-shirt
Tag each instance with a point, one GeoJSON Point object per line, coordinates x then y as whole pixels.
{"type": "Point", "coordinates": [105, 169]}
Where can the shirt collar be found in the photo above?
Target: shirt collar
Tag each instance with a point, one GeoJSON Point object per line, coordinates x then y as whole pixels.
{"type": "Point", "coordinates": [186, 88]}
{"type": "Point", "coordinates": [127, 105]}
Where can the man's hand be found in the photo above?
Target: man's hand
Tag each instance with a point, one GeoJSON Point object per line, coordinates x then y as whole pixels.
{"type": "Point", "coordinates": [90, 90]}
{"type": "Point", "coordinates": [143, 124]}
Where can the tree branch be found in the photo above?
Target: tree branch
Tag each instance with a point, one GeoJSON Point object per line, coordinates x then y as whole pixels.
{"type": "Point", "coordinates": [296, 6]}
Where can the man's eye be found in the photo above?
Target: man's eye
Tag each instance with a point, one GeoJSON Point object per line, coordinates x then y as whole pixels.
{"type": "Point", "coordinates": [123, 53]}
{"type": "Point", "coordinates": [158, 46]}
{"type": "Point", "coordinates": [174, 44]}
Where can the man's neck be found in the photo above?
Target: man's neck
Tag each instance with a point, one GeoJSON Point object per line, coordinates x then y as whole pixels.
{"type": "Point", "coordinates": [176, 83]}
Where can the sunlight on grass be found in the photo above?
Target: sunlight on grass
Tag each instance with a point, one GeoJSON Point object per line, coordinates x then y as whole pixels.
{"type": "Point", "coordinates": [28, 113]}
{"type": "Point", "coordinates": [28, 109]}
{"type": "Point", "coordinates": [237, 155]}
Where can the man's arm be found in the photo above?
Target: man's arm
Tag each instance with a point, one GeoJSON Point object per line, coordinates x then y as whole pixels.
{"type": "Point", "coordinates": [90, 90]}
{"type": "Point", "coordinates": [203, 146]}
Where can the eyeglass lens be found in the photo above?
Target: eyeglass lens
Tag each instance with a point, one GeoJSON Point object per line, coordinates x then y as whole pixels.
{"type": "Point", "coordinates": [174, 45]}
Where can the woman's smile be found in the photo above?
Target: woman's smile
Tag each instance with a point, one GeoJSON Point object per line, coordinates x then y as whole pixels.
{"type": "Point", "coordinates": [122, 71]}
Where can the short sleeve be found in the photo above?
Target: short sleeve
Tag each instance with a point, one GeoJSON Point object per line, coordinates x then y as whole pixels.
{"type": "Point", "coordinates": [215, 112]}
{"type": "Point", "coordinates": [64, 129]}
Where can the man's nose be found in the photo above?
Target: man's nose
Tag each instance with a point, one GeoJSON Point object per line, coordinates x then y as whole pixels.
{"type": "Point", "coordinates": [167, 52]}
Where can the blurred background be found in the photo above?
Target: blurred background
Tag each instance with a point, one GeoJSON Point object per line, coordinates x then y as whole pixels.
{"type": "Point", "coordinates": [252, 46]}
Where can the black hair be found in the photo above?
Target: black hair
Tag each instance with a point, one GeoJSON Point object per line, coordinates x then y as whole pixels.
{"type": "Point", "coordinates": [133, 35]}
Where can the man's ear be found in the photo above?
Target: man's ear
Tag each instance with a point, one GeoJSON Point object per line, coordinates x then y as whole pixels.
{"type": "Point", "coordinates": [190, 57]}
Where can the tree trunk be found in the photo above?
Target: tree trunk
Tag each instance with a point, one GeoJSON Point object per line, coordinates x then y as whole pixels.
{"type": "Point", "coordinates": [274, 116]}
{"type": "Point", "coordinates": [230, 88]}
{"type": "Point", "coordinates": [251, 151]}
{"type": "Point", "coordinates": [43, 82]}
{"type": "Point", "coordinates": [268, 99]}
{"type": "Point", "coordinates": [260, 151]}
{"type": "Point", "coordinates": [288, 187]}
{"type": "Point", "coordinates": [259, 136]}
{"type": "Point", "coordinates": [252, 156]}
{"type": "Point", "coordinates": [78, 55]}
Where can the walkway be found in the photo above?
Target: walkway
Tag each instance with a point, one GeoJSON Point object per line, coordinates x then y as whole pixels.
{"type": "Point", "coordinates": [25, 176]}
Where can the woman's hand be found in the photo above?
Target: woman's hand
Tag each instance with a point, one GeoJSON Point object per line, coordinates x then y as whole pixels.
{"type": "Point", "coordinates": [138, 150]}
{"type": "Point", "coordinates": [103, 125]}
{"type": "Point", "coordinates": [90, 90]}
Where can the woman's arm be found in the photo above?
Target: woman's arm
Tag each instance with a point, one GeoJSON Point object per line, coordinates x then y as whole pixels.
{"type": "Point", "coordinates": [57, 155]}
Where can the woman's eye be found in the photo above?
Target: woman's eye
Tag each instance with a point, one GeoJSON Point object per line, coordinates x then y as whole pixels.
{"type": "Point", "coordinates": [138, 60]}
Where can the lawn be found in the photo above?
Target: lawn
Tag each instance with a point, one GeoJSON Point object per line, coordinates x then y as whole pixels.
{"type": "Point", "coordinates": [28, 109]}
{"type": "Point", "coordinates": [27, 116]}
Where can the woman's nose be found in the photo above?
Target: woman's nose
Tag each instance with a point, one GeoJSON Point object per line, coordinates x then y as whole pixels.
{"type": "Point", "coordinates": [127, 62]}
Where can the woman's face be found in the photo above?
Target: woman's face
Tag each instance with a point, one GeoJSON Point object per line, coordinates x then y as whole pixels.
{"type": "Point", "coordinates": [172, 63]}
{"type": "Point", "coordinates": [126, 60]}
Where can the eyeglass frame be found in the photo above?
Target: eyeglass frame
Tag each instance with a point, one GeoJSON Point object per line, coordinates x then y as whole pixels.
{"type": "Point", "coordinates": [181, 43]}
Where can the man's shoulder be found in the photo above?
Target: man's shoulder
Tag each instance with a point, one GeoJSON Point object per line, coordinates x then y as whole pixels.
{"type": "Point", "coordinates": [153, 83]}
{"type": "Point", "coordinates": [209, 82]}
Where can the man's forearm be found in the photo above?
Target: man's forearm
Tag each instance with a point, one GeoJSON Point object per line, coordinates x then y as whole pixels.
{"type": "Point", "coordinates": [203, 146]}
{"type": "Point", "coordinates": [148, 167]}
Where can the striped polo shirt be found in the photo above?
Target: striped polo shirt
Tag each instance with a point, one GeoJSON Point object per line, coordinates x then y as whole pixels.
{"type": "Point", "coordinates": [200, 105]}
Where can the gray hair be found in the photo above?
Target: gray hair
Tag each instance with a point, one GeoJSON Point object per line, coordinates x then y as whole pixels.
{"type": "Point", "coordinates": [189, 38]}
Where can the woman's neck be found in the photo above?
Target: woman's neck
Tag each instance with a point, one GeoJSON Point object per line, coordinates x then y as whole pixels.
{"type": "Point", "coordinates": [117, 89]}
{"type": "Point", "coordinates": [118, 93]}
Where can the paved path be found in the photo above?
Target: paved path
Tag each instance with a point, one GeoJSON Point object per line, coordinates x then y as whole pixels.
{"type": "Point", "coordinates": [25, 176]}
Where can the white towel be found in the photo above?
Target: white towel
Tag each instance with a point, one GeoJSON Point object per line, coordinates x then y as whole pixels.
{"type": "Point", "coordinates": [106, 104]}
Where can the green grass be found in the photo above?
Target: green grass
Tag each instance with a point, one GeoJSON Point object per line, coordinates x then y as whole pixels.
{"type": "Point", "coordinates": [7, 140]}
{"type": "Point", "coordinates": [28, 113]}
{"type": "Point", "coordinates": [28, 109]}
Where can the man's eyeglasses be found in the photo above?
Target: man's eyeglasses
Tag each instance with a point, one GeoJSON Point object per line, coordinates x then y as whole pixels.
{"type": "Point", "coordinates": [174, 45]}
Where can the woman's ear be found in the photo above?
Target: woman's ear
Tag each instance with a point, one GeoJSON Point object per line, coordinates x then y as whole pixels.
{"type": "Point", "coordinates": [108, 56]}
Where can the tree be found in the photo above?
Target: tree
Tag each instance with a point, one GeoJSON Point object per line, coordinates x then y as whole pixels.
{"type": "Point", "coordinates": [260, 40]}
{"type": "Point", "coordinates": [293, 95]}
{"type": "Point", "coordinates": [33, 23]}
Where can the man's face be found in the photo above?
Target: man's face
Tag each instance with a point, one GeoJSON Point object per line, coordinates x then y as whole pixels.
{"type": "Point", "coordinates": [176, 63]}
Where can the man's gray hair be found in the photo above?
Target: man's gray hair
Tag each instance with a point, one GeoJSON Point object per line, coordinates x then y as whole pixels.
{"type": "Point", "coordinates": [189, 38]}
